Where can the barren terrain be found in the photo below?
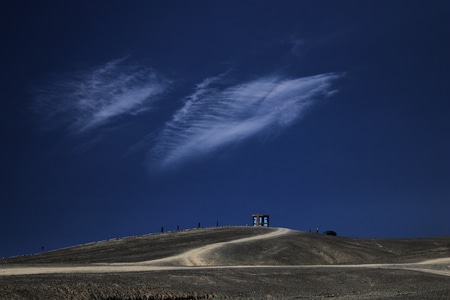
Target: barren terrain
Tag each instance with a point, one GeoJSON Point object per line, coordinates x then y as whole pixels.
{"type": "Point", "coordinates": [234, 263]}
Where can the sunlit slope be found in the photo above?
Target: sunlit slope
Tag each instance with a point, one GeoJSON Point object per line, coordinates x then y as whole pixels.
{"type": "Point", "coordinates": [290, 248]}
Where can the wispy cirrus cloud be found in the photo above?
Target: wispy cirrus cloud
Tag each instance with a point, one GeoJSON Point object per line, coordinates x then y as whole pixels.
{"type": "Point", "coordinates": [215, 115]}
{"type": "Point", "coordinates": [92, 98]}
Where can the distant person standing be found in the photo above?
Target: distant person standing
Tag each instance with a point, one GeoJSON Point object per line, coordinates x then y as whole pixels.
{"type": "Point", "coordinates": [162, 229]}
{"type": "Point", "coordinates": [317, 230]}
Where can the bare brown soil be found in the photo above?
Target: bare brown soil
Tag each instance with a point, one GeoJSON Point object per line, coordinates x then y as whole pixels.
{"type": "Point", "coordinates": [206, 264]}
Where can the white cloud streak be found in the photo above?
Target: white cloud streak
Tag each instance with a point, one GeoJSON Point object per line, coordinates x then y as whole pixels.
{"type": "Point", "coordinates": [215, 116]}
{"type": "Point", "coordinates": [92, 98]}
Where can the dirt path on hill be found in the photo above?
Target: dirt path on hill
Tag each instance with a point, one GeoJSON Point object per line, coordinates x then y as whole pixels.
{"type": "Point", "coordinates": [198, 257]}
{"type": "Point", "coordinates": [438, 267]}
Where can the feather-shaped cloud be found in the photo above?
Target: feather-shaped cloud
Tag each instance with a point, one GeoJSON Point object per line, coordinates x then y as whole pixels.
{"type": "Point", "coordinates": [215, 116]}
{"type": "Point", "coordinates": [92, 98]}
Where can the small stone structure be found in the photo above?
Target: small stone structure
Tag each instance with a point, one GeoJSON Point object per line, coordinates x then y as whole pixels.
{"type": "Point", "coordinates": [260, 220]}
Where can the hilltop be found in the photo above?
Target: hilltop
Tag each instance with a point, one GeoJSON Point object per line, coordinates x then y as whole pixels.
{"type": "Point", "coordinates": [234, 262]}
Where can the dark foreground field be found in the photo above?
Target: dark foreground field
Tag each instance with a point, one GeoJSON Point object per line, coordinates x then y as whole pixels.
{"type": "Point", "coordinates": [292, 265]}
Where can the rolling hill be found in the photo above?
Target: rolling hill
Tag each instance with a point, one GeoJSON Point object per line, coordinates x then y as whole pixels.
{"type": "Point", "coordinates": [234, 262]}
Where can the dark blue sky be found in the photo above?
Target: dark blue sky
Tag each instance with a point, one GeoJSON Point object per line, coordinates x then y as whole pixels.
{"type": "Point", "coordinates": [119, 117]}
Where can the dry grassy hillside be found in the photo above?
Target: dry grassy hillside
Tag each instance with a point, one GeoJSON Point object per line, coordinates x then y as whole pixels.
{"type": "Point", "coordinates": [274, 264]}
{"type": "Point", "coordinates": [139, 248]}
{"type": "Point", "coordinates": [295, 248]}
{"type": "Point", "coordinates": [301, 248]}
